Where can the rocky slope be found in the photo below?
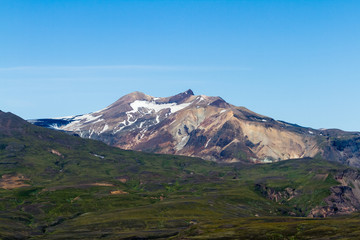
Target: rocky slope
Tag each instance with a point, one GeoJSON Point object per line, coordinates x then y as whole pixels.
{"type": "Point", "coordinates": [344, 199]}
{"type": "Point", "coordinates": [206, 127]}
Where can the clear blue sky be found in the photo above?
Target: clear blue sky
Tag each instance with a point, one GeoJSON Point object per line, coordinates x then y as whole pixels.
{"type": "Point", "coordinates": [297, 61]}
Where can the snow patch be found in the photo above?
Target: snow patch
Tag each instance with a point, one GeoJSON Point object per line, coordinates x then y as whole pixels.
{"type": "Point", "coordinates": [120, 128]}
{"type": "Point", "coordinates": [99, 120]}
{"type": "Point", "coordinates": [157, 119]}
{"type": "Point", "coordinates": [75, 123]}
{"type": "Point", "coordinates": [182, 143]}
{"type": "Point", "coordinates": [200, 98]}
{"type": "Point", "coordinates": [153, 106]}
{"type": "Point", "coordinates": [106, 127]}
{"type": "Point", "coordinates": [55, 126]}
{"type": "Point", "coordinates": [145, 107]}
{"type": "Point", "coordinates": [139, 107]}
{"type": "Point", "coordinates": [73, 126]}
{"type": "Point", "coordinates": [207, 143]}
{"type": "Point", "coordinates": [65, 118]}
{"type": "Point", "coordinates": [143, 131]}
{"type": "Point", "coordinates": [266, 160]}
{"type": "Point", "coordinates": [87, 118]}
{"type": "Point", "coordinates": [311, 132]}
{"type": "Point", "coordinates": [222, 111]}
{"type": "Point", "coordinates": [92, 132]}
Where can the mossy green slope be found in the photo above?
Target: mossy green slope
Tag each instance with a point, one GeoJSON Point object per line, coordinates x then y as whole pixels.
{"type": "Point", "coordinates": [158, 196]}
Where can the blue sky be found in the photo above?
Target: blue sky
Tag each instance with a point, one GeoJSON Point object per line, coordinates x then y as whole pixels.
{"type": "Point", "coordinates": [297, 61]}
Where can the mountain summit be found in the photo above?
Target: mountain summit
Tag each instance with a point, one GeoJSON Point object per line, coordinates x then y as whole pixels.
{"type": "Point", "coordinates": [206, 127]}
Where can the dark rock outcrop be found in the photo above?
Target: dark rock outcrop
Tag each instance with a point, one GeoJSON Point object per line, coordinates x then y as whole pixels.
{"type": "Point", "coordinates": [278, 196]}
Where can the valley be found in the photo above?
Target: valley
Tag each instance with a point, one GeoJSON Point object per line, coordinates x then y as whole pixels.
{"type": "Point", "coordinates": [67, 187]}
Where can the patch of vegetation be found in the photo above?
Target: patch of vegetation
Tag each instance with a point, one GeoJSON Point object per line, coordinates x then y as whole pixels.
{"type": "Point", "coordinates": [74, 194]}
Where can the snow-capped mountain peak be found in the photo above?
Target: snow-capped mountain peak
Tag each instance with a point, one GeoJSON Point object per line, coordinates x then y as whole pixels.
{"type": "Point", "coordinates": [201, 126]}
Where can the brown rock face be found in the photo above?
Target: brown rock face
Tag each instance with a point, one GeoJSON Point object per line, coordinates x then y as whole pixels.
{"type": "Point", "coordinates": [206, 127]}
{"type": "Point", "coordinates": [341, 201]}
{"type": "Point", "coordinates": [13, 181]}
{"type": "Point", "coordinates": [277, 196]}
{"type": "Point", "coordinates": [344, 199]}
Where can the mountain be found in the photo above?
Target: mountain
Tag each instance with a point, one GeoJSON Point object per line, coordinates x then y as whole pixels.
{"type": "Point", "coordinates": [57, 186]}
{"type": "Point", "coordinates": [206, 127]}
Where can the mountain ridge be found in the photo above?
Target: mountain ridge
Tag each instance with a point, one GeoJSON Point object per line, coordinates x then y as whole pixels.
{"type": "Point", "coordinates": [206, 127]}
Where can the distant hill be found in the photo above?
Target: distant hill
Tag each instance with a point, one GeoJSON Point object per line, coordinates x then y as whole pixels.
{"type": "Point", "coordinates": [57, 186]}
{"type": "Point", "coordinates": [206, 127]}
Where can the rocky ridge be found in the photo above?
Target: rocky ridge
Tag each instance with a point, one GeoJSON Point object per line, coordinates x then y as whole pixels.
{"type": "Point", "coordinates": [206, 127]}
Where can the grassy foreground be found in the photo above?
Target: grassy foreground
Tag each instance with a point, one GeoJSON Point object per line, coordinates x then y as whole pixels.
{"type": "Point", "coordinates": [56, 186]}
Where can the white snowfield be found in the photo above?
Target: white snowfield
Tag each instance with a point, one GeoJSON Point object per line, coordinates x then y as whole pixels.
{"type": "Point", "coordinates": [136, 105]}
{"type": "Point", "coordinates": [87, 118]}
{"type": "Point", "coordinates": [145, 107]}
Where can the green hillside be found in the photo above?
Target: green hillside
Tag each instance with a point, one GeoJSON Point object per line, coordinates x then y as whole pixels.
{"type": "Point", "coordinates": [57, 186]}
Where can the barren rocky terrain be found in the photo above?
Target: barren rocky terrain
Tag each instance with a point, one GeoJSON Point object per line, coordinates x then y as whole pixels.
{"type": "Point", "coordinates": [206, 127]}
